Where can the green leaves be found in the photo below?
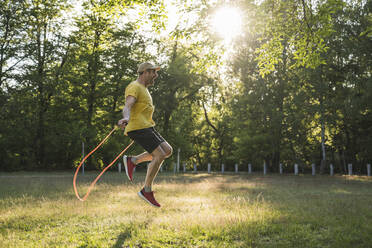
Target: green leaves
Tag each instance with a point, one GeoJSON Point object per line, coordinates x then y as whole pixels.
{"type": "Point", "coordinates": [308, 54]}
{"type": "Point", "coordinates": [269, 55]}
{"type": "Point", "coordinates": [304, 28]}
{"type": "Point", "coordinates": [299, 66]}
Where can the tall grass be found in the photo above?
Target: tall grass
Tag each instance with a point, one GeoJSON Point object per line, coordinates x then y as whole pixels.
{"type": "Point", "coordinates": [198, 210]}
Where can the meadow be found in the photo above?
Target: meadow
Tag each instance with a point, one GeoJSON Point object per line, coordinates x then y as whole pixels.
{"type": "Point", "coordinates": [198, 210]}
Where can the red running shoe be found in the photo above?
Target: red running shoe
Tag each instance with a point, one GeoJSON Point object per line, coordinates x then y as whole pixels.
{"type": "Point", "coordinates": [129, 166]}
{"type": "Point", "coordinates": [149, 197]}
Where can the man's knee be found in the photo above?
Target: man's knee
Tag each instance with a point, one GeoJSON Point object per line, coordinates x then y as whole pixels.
{"type": "Point", "coordinates": [163, 151]}
{"type": "Point", "coordinates": [168, 150]}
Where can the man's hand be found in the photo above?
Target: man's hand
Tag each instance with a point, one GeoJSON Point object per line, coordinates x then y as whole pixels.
{"type": "Point", "coordinates": [122, 123]}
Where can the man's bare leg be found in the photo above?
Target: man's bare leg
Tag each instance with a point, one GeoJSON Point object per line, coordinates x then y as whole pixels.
{"type": "Point", "coordinates": [143, 157]}
{"type": "Point", "coordinates": [163, 151]}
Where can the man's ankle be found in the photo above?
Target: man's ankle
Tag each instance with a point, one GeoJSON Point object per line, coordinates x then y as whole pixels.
{"type": "Point", "coordinates": [147, 189]}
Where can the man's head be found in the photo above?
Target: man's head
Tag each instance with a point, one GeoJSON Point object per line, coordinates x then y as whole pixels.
{"type": "Point", "coordinates": [148, 72]}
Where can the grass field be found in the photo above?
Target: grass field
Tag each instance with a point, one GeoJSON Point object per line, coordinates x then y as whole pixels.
{"type": "Point", "coordinates": [41, 210]}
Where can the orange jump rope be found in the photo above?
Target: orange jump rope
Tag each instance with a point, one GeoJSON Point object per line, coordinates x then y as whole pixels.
{"type": "Point", "coordinates": [103, 171]}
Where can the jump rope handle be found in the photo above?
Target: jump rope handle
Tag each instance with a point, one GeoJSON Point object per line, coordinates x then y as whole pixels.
{"type": "Point", "coordinates": [103, 171]}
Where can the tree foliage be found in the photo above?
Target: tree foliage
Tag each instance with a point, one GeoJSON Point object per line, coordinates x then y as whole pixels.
{"type": "Point", "coordinates": [296, 88]}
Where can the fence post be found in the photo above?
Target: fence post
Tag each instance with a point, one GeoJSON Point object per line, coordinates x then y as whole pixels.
{"type": "Point", "coordinates": [369, 170]}
{"type": "Point", "coordinates": [195, 168]}
{"type": "Point", "coordinates": [222, 168]}
{"type": "Point", "coordinates": [350, 167]}
{"type": "Point", "coordinates": [184, 167]}
{"type": "Point", "coordinates": [264, 168]}
{"type": "Point", "coordinates": [249, 169]}
{"type": "Point", "coordinates": [296, 169]}
{"type": "Point", "coordinates": [236, 168]}
{"type": "Point", "coordinates": [331, 169]}
{"type": "Point", "coordinates": [280, 168]}
{"type": "Point", "coordinates": [161, 168]}
{"type": "Point", "coordinates": [119, 167]}
{"type": "Point", "coordinates": [209, 168]}
{"type": "Point", "coordinates": [313, 169]}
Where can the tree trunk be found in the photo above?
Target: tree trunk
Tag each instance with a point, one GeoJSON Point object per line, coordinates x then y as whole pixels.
{"type": "Point", "coordinates": [92, 75]}
{"type": "Point", "coordinates": [322, 123]}
{"type": "Point", "coordinates": [42, 103]}
{"type": "Point", "coordinates": [166, 123]}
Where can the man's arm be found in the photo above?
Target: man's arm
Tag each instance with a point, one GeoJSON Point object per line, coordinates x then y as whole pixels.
{"type": "Point", "coordinates": [129, 102]}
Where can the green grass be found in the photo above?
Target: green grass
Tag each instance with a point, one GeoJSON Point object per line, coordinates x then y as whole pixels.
{"type": "Point", "coordinates": [41, 210]}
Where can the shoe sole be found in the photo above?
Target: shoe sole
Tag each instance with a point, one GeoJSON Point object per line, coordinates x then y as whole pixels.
{"type": "Point", "coordinates": [144, 198]}
{"type": "Point", "coordinates": [126, 167]}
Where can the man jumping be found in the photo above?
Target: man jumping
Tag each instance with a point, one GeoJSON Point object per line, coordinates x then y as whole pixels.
{"type": "Point", "coordinates": [139, 126]}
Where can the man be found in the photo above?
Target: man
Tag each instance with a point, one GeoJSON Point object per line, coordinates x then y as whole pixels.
{"type": "Point", "coordinates": [139, 126]}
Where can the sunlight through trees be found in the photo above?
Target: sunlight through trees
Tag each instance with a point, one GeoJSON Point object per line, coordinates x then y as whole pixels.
{"type": "Point", "coordinates": [241, 81]}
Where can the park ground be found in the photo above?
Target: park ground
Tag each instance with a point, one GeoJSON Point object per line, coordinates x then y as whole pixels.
{"type": "Point", "coordinates": [198, 210]}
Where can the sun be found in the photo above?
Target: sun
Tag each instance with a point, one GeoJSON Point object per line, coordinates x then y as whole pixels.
{"type": "Point", "coordinates": [227, 22]}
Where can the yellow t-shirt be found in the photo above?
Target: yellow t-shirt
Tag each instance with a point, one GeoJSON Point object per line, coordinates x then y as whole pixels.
{"type": "Point", "coordinates": [142, 109]}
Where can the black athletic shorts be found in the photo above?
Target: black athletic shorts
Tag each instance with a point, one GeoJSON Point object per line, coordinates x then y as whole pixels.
{"type": "Point", "coordinates": [148, 138]}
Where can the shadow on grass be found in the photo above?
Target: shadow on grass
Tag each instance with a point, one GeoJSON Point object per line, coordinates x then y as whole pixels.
{"type": "Point", "coordinates": [122, 237]}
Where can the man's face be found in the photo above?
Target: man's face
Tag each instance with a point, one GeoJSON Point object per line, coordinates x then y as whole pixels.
{"type": "Point", "coordinates": [150, 76]}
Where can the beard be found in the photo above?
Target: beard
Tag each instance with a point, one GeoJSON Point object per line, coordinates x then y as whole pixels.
{"type": "Point", "coordinates": [152, 81]}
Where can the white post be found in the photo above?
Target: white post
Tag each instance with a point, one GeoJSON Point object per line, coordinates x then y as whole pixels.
{"type": "Point", "coordinates": [209, 168]}
{"type": "Point", "coordinates": [313, 169]}
{"type": "Point", "coordinates": [119, 167]}
{"type": "Point", "coordinates": [331, 169]}
{"type": "Point", "coordinates": [249, 168]}
{"type": "Point", "coordinates": [264, 168]}
{"type": "Point", "coordinates": [161, 168]}
{"type": "Point", "coordinates": [350, 169]}
{"type": "Point", "coordinates": [369, 170]}
{"type": "Point", "coordinates": [236, 168]}
{"type": "Point", "coordinates": [178, 160]}
{"type": "Point", "coordinates": [296, 169]}
{"type": "Point", "coordinates": [280, 168]}
{"type": "Point", "coordinates": [195, 168]}
{"type": "Point", "coordinates": [83, 158]}
{"type": "Point", "coordinates": [222, 168]}
{"type": "Point", "coordinates": [184, 167]}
